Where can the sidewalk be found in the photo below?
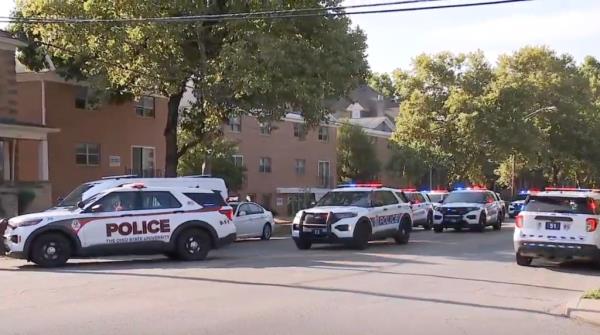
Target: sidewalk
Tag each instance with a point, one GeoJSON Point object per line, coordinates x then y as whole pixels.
{"type": "Point", "coordinates": [587, 310]}
{"type": "Point", "coordinates": [282, 227]}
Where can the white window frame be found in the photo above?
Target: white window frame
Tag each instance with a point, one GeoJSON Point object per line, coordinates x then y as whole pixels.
{"type": "Point", "coordinates": [324, 138]}
{"type": "Point", "coordinates": [143, 147]}
{"type": "Point", "coordinates": [262, 167]}
{"type": "Point", "coordinates": [301, 133]}
{"type": "Point", "coordinates": [141, 109]}
{"type": "Point", "coordinates": [296, 166]}
{"type": "Point", "coordinates": [328, 168]}
{"type": "Point", "coordinates": [237, 125]}
{"type": "Point", "coordinates": [87, 154]}
{"type": "Point", "coordinates": [241, 160]}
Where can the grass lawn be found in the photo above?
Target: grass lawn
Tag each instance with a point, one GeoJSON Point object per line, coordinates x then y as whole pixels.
{"type": "Point", "coordinates": [593, 294]}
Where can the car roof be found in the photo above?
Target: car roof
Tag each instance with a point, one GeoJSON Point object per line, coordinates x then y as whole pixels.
{"type": "Point", "coordinates": [362, 189]}
{"type": "Point", "coordinates": [567, 194]}
{"type": "Point", "coordinates": [131, 187]}
{"type": "Point", "coordinates": [470, 191]}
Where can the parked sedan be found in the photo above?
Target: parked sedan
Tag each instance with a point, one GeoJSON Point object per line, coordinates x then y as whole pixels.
{"type": "Point", "coordinates": [252, 220]}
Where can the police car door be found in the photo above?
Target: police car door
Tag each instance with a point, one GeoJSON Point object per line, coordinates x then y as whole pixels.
{"type": "Point", "coordinates": [492, 206]}
{"type": "Point", "coordinates": [100, 221]}
{"type": "Point", "coordinates": [387, 211]}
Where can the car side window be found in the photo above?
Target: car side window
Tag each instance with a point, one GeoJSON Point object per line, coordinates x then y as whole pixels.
{"type": "Point", "coordinates": [159, 200]}
{"type": "Point", "coordinates": [490, 198]}
{"type": "Point", "coordinates": [388, 198]}
{"type": "Point", "coordinates": [244, 208]}
{"type": "Point", "coordinates": [207, 199]}
{"type": "Point", "coordinates": [402, 197]}
{"type": "Point", "coordinates": [255, 209]}
{"type": "Point", "coordinates": [116, 202]}
{"type": "Point", "coordinates": [421, 198]}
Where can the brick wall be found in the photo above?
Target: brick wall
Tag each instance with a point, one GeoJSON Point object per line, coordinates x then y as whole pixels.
{"type": "Point", "coordinates": [8, 89]}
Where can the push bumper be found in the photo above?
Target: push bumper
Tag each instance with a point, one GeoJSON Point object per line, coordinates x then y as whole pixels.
{"type": "Point", "coordinates": [464, 221]}
{"type": "Point", "coordinates": [326, 238]}
{"type": "Point", "coordinates": [559, 250]}
{"type": "Point", "coordinates": [223, 241]}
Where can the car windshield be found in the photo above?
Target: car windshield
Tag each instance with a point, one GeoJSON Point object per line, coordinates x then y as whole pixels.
{"type": "Point", "coordinates": [520, 197]}
{"type": "Point", "coordinates": [358, 198]}
{"type": "Point", "coordinates": [470, 197]}
{"type": "Point", "coordinates": [436, 197]}
{"type": "Point", "coordinates": [559, 204]}
{"type": "Point", "coordinates": [75, 196]}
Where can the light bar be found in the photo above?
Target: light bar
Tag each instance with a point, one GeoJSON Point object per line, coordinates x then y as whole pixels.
{"type": "Point", "coordinates": [408, 189]}
{"type": "Point", "coordinates": [572, 189]}
{"type": "Point", "coordinates": [376, 185]}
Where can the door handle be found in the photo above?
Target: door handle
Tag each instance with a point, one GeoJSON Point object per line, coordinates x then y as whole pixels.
{"type": "Point", "coordinates": [126, 215]}
{"type": "Point", "coordinates": [385, 209]}
{"type": "Point", "coordinates": [178, 212]}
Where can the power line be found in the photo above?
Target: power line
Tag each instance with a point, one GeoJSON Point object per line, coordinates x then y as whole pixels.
{"type": "Point", "coordinates": [281, 14]}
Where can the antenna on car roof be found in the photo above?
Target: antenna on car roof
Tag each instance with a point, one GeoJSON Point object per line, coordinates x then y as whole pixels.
{"type": "Point", "coordinates": [124, 176]}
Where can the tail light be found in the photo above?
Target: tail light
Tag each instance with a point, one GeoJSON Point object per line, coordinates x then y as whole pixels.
{"type": "Point", "coordinates": [591, 224]}
{"type": "Point", "coordinates": [519, 221]}
{"type": "Point", "coordinates": [228, 212]}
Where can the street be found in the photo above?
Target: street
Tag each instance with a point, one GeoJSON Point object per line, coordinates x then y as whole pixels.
{"type": "Point", "coordinates": [455, 283]}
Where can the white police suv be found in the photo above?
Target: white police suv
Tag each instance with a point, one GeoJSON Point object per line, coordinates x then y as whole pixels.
{"type": "Point", "coordinates": [559, 224]}
{"type": "Point", "coordinates": [515, 206]}
{"type": "Point", "coordinates": [180, 222]}
{"type": "Point", "coordinates": [354, 214]}
{"type": "Point", "coordinates": [469, 208]}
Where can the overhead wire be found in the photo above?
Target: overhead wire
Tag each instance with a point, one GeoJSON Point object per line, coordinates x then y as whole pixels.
{"type": "Point", "coordinates": [278, 14]}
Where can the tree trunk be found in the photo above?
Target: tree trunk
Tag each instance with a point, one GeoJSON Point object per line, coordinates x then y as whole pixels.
{"type": "Point", "coordinates": [171, 156]}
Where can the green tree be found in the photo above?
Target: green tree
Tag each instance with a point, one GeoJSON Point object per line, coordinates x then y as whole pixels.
{"type": "Point", "coordinates": [260, 67]}
{"type": "Point", "coordinates": [382, 83]}
{"type": "Point", "coordinates": [216, 156]}
{"type": "Point", "coordinates": [356, 157]}
{"type": "Point", "coordinates": [406, 164]}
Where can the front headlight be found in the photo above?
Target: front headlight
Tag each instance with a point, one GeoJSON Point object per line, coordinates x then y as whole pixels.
{"type": "Point", "coordinates": [346, 215]}
{"type": "Point", "coordinates": [27, 223]}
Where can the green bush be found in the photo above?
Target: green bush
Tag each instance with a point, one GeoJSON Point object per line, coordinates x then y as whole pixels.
{"type": "Point", "coordinates": [593, 294]}
{"type": "Point", "coordinates": [25, 198]}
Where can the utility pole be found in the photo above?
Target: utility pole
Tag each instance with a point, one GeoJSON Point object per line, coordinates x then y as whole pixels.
{"type": "Point", "coordinates": [512, 183]}
{"type": "Point", "coordinates": [430, 177]}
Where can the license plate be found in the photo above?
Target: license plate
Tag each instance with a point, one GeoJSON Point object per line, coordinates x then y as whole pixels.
{"type": "Point", "coordinates": [553, 225]}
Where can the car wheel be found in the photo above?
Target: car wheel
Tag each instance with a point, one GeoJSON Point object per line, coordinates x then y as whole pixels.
{"type": "Point", "coordinates": [361, 235]}
{"type": "Point", "coordinates": [51, 250]}
{"type": "Point", "coordinates": [438, 228]}
{"type": "Point", "coordinates": [193, 245]}
{"type": "Point", "coordinates": [481, 225]}
{"type": "Point", "coordinates": [523, 260]}
{"type": "Point", "coordinates": [429, 224]}
{"type": "Point", "coordinates": [498, 224]}
{"type": "Point", "coordinates": [267, 232]}
{"type": "Point", "coordinates": [403, 234]}
{"type": "Point", "coordinates": [302, 244]}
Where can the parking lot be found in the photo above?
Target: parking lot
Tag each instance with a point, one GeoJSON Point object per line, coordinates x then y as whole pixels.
{"type": "Point", "coordinates": [453, 282]}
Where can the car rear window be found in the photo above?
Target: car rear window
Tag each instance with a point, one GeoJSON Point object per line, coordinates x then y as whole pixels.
{"type": "Point", "coordinates": [561, 204]}
{"type": "Point", "coordinates": [207, 199]}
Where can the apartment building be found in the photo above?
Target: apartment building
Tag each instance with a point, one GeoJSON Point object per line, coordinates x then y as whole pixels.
{"type": "Point", "coordinates": [96, 139]}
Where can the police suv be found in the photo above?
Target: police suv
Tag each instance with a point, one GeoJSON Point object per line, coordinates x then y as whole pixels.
{"type": "Point", "coordinates": [354, 215]}
{"type": "Point", "coordinates": [559, 223]}
{"type": "Point", "coordinates": [181, 222]}
{"type": "Point", "coordinates": [470, 208]}
{"type": "Point", "coordinates": [514, 208]}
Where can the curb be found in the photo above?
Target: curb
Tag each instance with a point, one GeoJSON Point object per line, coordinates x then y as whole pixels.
{"type": "Point", "coordinates": [587, 310]}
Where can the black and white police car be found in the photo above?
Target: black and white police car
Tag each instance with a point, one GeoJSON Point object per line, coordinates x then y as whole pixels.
{"type": "Point", "coordinates": [468, 208]}
{"type": "Point", "coordinates": [558, 224]}
{"type": "Point", "coordinates": [515, 206]}
{"type": "Point", "coordinates": [354, 214]}
{"type": "Point", "coordinates": [181, 222]}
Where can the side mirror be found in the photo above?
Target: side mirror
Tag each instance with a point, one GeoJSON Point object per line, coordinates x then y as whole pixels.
{"type": "Point", "coordinates": [96, 208]}
{"type": "Point", "coordinates": [242, 213]}
{"type": "Point", "coordinates": [80, 204]}
{"type": "Point", "coordinates": [59, 200]}
{"type": "Point", "coordinates": [313, 203]}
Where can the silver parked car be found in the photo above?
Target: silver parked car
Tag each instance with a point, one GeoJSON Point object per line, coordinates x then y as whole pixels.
{"type": "Point", "coordinates": [252, 220]}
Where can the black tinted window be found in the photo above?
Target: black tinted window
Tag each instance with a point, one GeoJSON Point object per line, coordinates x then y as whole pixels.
{"type": "Point", "coordinates": [159, 200]}
{"type": "Point", "coordinates": [117, 202]}
{"type": "Point", "coordinates": [559, 204]}
{"type": "Point", "coordinates": [206, 199]}
{"type": "Point", "coordinates": [388, 198]}
{"type": "Point", "coordinates": [255, 209]}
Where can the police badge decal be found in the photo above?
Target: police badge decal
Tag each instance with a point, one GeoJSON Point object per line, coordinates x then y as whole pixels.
{"type": "Point", "coordinates": [75, 225]}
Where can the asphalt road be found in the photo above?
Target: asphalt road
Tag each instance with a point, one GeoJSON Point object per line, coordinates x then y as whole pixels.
{"type": "Point", "coordinates": [451, 283]}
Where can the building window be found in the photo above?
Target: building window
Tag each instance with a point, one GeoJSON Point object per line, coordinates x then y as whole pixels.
{"type": "Point", "coordinates": [299, 131]}
{"type": "Point", "coordinates": [300, 167]}
{"type": "Point", "coordinates": [145, 106]}
{"type": "Point", "coordinates": [324, 134]}
{"type": "Point", "coordinates": [238, 160]}
{"type": "Point", "coordinates": [142, 160]}
{"type": "Point", "coordinates": [81, 97]}
{"type": "Point", "coordinates": [323, 172]}
{"type": "Point", "coordinates": [235, 124]}
{"type": "Point", "coordinates": [265, 128]}
{"type": "Point", "coordinates": [264, 165]}
{"type": "Point", "coordinates": [87, 154]}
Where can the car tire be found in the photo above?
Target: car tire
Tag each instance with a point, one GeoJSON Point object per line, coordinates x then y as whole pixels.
{"type": "Point", "coordinates": [481, 225]}
{"type": "Point", "coordinates": [403, 234]}
{"type": "Point", "coordinates": [266, 232]}
{"type": "Point", "coordinates": [498, 224]}
{"type": "Point", "coordinates": [193, 245]}
{"type": "Point", "coordinates": [51, 250]}
{"type": "Point", "coordinates": [302, 244]}
{"type": "Point", "coordinates": [438, 228]}
{"type": "Point", "coordinates": [523, 260]}
{"type": "Point", "coordinates": [429, 224]}
{"type": "Point", "coordinates": [361, 235]}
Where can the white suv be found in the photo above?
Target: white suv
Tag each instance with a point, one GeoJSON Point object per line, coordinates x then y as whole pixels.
{"type": "Point", "coordinates": [132, 219]}
{"type": "Point", "coordinates": [559, 224]}
{"type": "Point", "coordinates": [472, 208]}
{"type": "Point", "coordinates": [354, 215]}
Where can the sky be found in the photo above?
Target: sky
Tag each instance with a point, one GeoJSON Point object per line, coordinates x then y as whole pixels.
{"type": "Point", "coordinates": [394, 39]}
